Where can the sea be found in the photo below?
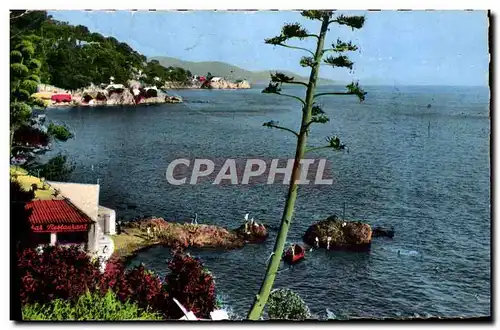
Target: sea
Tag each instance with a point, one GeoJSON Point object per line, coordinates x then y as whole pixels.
{"type": "Point", "coordinates": [417, 160]}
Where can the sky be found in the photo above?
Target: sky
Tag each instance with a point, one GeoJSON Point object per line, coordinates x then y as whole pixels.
{"type": "Point", "coordinates": [395, 48]}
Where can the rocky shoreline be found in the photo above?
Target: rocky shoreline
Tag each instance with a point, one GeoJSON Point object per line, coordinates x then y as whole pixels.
{"type": "Point", "coordinates": [143, 234]}
{"type": "Point", "coordinates": [332, 233]}
{"type": "Point", "coordinates": [213, 84]}
{"type": "Point", "coordinates": [132, 95]}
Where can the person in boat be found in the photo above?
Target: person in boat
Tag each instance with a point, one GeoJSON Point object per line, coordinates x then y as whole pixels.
{"type": "Point", "coordinates": [292, 247]}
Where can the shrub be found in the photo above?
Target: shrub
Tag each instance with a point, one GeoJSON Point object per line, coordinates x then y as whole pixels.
{"type": "Point", "coordinates": [147, 289]}
{"type": "Point", "coordinates": [59, 132]}
{"type": "Point", "coordinates": [284, 304]}
{"type": "Point", "coordinates": [113, 279]}
{"type": "Point", "coordinates": [31, 135]}
{"type": "Point", "coordinates": [57, 168]}
{"type": "Point", "coordinates": [191, 285]}
{"type": "Point", "coordinates": [90, 306]}
{"type": "Point", "coordinates": [57, 272]}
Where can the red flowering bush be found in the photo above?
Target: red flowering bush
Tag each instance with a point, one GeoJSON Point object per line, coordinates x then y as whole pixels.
{"type": "Point", "coordinates": [188, 282]}
{"type": "Point", "coordinates": [57, 272]}
{"type": "Point", "coordinates": [147, 289]}
{"type": "Point", "coordinates": [114, 279]}
{"type": "Point", "coordinates": [67, 273]}
{"type": "Point", "coordinates": [191, 285]}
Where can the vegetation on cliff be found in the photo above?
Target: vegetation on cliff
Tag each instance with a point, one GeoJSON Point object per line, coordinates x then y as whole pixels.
{"type": "Point", "coordinates": [61, 283]}
{"type": "Point", "coordinates": [72, 57]}
{"type": "Point", "coordinates": [135, 236]}
{"type": "Point", "coordinates": [88, 307]}
{"type": "Point", "coordinates": [335, 233]}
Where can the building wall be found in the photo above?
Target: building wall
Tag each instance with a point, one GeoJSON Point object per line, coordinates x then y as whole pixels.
{"type": "Point", "coordinates": [107, 220]}
{"type": "Point", "coordinates": [86, 198]}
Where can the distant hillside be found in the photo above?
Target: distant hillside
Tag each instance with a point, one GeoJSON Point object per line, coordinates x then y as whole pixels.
{"type": "Point", "coordinates": [227, 70]}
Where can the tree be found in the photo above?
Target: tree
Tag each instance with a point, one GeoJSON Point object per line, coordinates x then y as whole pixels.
{"type": "Point", "coordinates": [311, 113]}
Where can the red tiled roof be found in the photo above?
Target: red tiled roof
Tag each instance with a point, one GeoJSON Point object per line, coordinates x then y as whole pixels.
{"type": "Point", "coordinates": [55, 212]}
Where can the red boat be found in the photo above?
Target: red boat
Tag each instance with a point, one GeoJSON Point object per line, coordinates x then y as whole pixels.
{"type": "Point", "coordinates": [294, 254]}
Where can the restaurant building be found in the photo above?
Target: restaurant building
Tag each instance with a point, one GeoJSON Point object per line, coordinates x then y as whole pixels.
{"type": "Point", "coordinates": [60, 221]}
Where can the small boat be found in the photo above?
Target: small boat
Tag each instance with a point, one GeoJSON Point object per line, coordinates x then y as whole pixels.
{"type": "Point", "coordinates": [294, 254]}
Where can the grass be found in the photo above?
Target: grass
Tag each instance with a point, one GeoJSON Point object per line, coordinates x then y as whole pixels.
{"type": "Point", "coordinates": [130, 241]}
{"type": "Point", "coordinates": [27, 181]}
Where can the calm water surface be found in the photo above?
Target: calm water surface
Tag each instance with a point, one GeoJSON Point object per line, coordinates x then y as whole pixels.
{"type": "Point", "coordinates": [431, 184]}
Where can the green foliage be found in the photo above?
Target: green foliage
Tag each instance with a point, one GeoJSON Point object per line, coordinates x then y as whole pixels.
{"type": "Point", "coordinates": [289, 31]}
{"type": "Point", "coordinates": [284, 304]}
{"type": "Point", "coordinates": [59, 132]}
{"type": "Point", "coordinates": [341, 61]}
{"type": "Point", "coordinates": [294, 30]}
{"type": "Point", "coordinates": [354, 22]}
{"type": "Point", "coordinates": [28, 85]}
{"type": "Point", "coordinates": [281, 78]}
{"type": "Point", "coordinates": [318, 115]}
{"type": "Point", "coordinates": [333, 142]}
{"type": "Point", "coordinates": [317, 14]}
{"type": "Point", "coordinates": [18, 69]}
{"type": "Point", "coordinates": [71, 57]}
{"type": "Point", "coordinates": [23, 82]}
{"type": "Point", "coordinates": [157, 75]}
{"type": "Point", "coordinates": [20, 112]}
{"type": "Point", "coordinates": [355, 89]}
{"type": "Point", "coordinates": [90, 306]}
{"type": "Point", "coordinates": [16, 56]}
{"type": "Point", "coordinates": [341, 46]}
{"type": "Point", "coordinates": [306, 61]}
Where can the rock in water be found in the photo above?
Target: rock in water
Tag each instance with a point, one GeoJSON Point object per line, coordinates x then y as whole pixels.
{"type": "Point", "coordinates": [383, 232]}
{"type": "Point", "coordinates": [252, 234]}
{"type": "Point", "coordinates": [345, 235]}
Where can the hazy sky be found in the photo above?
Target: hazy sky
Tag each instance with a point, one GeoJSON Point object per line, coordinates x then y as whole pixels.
{"type": "Point", "coordinates": [409, 48]}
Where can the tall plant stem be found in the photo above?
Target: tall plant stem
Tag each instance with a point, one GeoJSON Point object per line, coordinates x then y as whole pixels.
{"type": "Point", "coordinates": [272, 269]}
